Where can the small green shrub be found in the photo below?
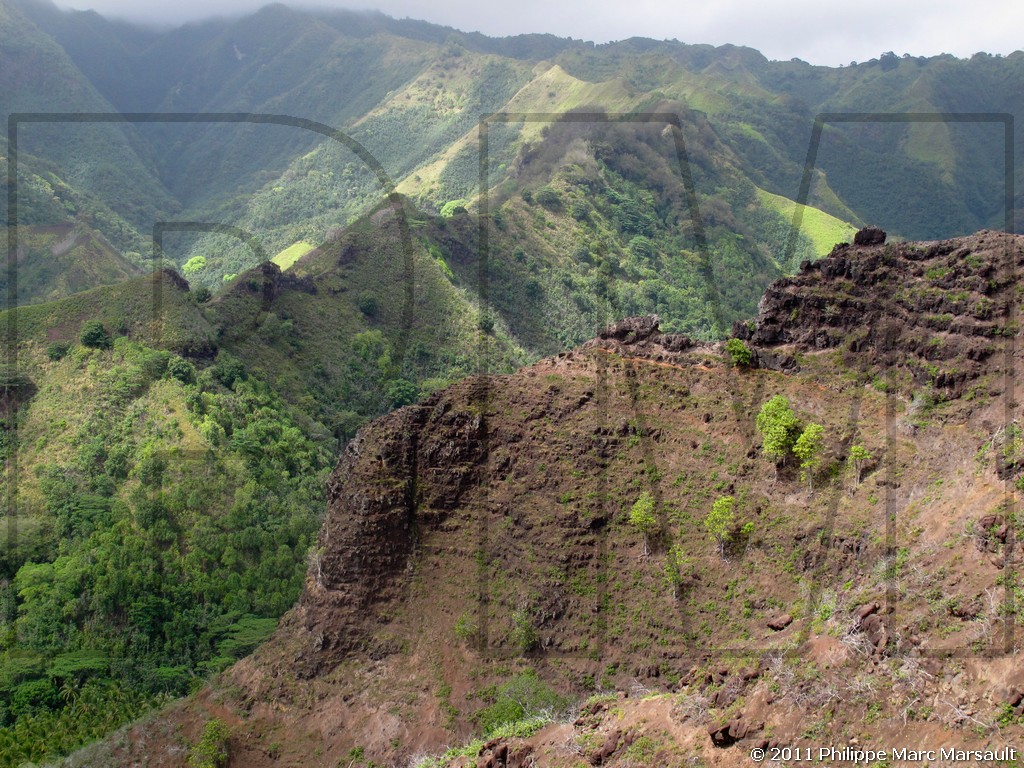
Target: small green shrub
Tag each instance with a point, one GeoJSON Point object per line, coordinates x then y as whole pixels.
{"type": "Point", "coordinates": [466, 628]}
{"type": "Point", "coordinates": [519, 705]}
{"type": "Point", "coordinates": [453, 208]}
{"type": "Point", "coordinates": [211, 751]}
{"type": "Point", "coordinates": [642, 750]}
{"type": "Point", "coordinates": [524, 634]}
{"type": "Point", "coordinates": [548, 198]}
{"type": "Point", "coordinates": [181, 369]}
{"type": "Point", "coordinates": [676, 570]}
{"type": "Point", "coordinates": [642, 517]}
{"type": "Point", "coordinates": [779, 428]}
{"type": "Point", "coordinates": [808, 448]}
{"type": "Point", "coordinates": [719, 521]}
{"type": "Point", "coordinates": [579, 210]}
{"type": "Point", "coordinates": [368, 303]}
{"type": "Point", "coordinates": [95, 335]}
{"type": "Point", "coordinates": [739, 352]}
{"type": "Point", "coordinates": [401, 392]}
{"type": "Point", "coordinates": [58, 350]}
{"type": "Point", "coordinates": [859, 456]}
{"type": "Point", "coordinates": [228, 369]}
{"type": "Point", "coordinates": [193, 265]}
{"type": "Point", "coordinates": [1007, 716]}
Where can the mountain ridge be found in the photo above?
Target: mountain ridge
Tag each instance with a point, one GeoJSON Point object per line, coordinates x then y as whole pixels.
{"type": "Point", "coordinates": [479, 546]}
{"type": "Point", "coordinates": [731, 85]}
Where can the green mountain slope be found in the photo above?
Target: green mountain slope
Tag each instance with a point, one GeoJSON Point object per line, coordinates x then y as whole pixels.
{"type": "Point", "coordinates": [363, 324]}
{"type": "Point", "coordinates": [162, 526]}
{"type": "Point", "coordinates": [108, 162]}
{"type": "Point", "coordinates": [170, 467]}
{"type": "Point", "coordinates": [412, 93]}
{"type": "Point", "coordinates": [62, 260]}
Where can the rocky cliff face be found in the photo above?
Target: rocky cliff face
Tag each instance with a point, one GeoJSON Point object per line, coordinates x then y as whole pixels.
{"type": "Point", "coordinates": [916, 313]}
{"type": "Point", "coordinates": [396, 482]}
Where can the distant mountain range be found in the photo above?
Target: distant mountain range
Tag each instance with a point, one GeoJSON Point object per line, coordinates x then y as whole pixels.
{"type": "Point", "coordinates": [413, 94]}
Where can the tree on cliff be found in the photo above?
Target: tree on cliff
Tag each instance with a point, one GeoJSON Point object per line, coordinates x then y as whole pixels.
{"type": "Point", "coordinates": [719, 521]}
{"type": "Point", "coordinates": [642, 517]}
{"type": "Point", "coordinates": [808, 448]}
{"type": "Point", "coordinates": [779, 427]}
{"type": "Point", "coordinates": [859, 456]}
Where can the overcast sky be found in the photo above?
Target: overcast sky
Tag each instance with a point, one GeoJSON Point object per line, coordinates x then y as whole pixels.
{"type": "Point", "coordinates": [818, 31]}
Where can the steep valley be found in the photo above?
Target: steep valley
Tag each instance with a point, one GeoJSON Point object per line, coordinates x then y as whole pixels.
{"type": "Point", "coordinates": [377, 394]}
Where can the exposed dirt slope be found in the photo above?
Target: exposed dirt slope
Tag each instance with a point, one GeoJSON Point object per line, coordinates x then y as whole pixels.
{"type": "Point", "coordinates": [486, 531]}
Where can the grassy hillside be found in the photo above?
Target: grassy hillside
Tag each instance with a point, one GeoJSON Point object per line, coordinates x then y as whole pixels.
{"type": "Point", "coordinates": [156, 309]}
{"type": "Point", "coordinates": [286, 258]}
{"type": "Point", "coordinates": [821, 228]}
{"type": "Point", "coordinates": [60, 260]}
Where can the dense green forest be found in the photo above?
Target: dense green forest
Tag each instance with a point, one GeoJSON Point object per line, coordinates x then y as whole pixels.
{"type": "Point", "coordinates": [164, 525]}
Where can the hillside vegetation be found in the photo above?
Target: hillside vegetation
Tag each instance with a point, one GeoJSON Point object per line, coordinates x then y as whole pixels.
{"type": "Point", "coordinates": [163, 514]}
{"type": "Point", "coordinates": [200, 317]}
{"type": "Point", "coordinates": [412, 95]}
{"type": "Point", "coordinates": [803, 546]}
{"type": "Point", "coordinates": [171, 460]}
